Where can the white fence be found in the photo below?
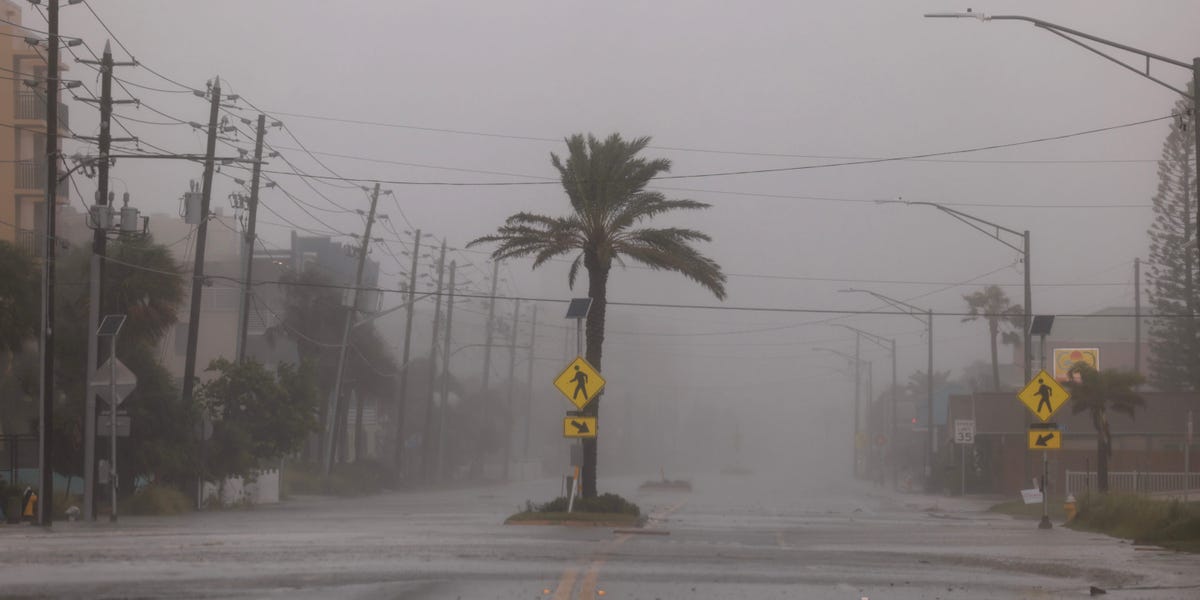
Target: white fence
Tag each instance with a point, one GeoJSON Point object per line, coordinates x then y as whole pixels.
{"type": "Point", "coordinates": [1134, 482]}
{"type": "Point", "coordinates": [263, 490]}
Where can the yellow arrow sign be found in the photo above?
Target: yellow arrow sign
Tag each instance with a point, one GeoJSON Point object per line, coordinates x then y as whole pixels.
{"type": "Point", "coordinates": [1045, 439]}
{"type": "Point", "coordinates": [579, 427]}
{"type": "Point", "coordinates": [579, 382]}
{"type": "Point", "coordinates": [1043, 396]}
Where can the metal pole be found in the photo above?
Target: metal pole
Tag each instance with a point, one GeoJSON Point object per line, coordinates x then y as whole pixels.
{"type": "Point", "coordinates": [445, 384]}
{"type": "Point", "coordinates": [529, 380]}
{"type": "Point", "coordinates": [1137, 315]}
{"type": "Point", "coordinates": [112, 424]}
{"type": "Point", "coordinates": [427, 447]}
{"type": "Point", "coordinates": [1028, 309]}
{"type": "Point", "coordinates": [477, 462]}
{"type": "Point", "coordinates": [931, 450]}
{"type": "Point", "coordinates": [512, 368]}
{"type": "Point", "coordinates": [89, 428]}
{"type": "Point", "coordinates": [402, 400]}
{"type": "Point", "coordinates": [857, 393]}
{"type": "Point", "coordinates": [1187, 459]}
{"type": "Point", "coordinates": [892, 433]}
{"type": "Point", "coordinates": [962, 459]}
{"type": "Point", "coordinates": [248, 265]}
{"type": "Point", "coordinates": [1196, 133]}
{"type": "Point", "coordinates": [350, 313]}
{"type": "Point", "coordinates": [45, 513]}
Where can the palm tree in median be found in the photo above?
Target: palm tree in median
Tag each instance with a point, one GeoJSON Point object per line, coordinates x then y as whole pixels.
{"type": "Point", "coordinates": [1098, 392]}
{"type": "Point", "coordinates": [992, 304]}
{"type": "Point", "coordinates": [605, 182]}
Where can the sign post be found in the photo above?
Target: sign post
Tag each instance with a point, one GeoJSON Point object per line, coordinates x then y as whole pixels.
{"type": "Point", "coordinates": [578, 309]}
{"type": "Point", "coordinates": [1043, 396]}
{"type": "Point", "coordinates": [964, 433]}
{"type": "Point", "coordinates": [115, 382]}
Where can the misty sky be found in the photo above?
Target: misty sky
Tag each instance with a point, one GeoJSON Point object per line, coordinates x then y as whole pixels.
{"type": "Point", "coordinates": [815, 80]}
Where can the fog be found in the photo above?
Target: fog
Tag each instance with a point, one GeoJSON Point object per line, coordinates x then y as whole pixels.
{"type": "Point", "coordinates": [483, 92]}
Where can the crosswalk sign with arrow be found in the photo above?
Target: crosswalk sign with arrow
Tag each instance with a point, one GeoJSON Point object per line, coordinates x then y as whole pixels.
{"type": "Point", "coordinates": [1045, 439]}
{"type": "Point", "coordinates": [579, 427]}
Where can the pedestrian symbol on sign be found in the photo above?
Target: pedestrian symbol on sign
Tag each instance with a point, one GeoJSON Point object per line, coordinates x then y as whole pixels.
{"type": "Point", "coordinates": [580, 381]}
{"type": "Point", "coordinates": [1043, 396]}
{"type": "Point", "coordinates": [1044, 392]}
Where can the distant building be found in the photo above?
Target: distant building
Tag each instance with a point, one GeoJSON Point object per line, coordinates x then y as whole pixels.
{"type": "Point", "coordinates": [1110, 332]}
{"type": "Point", "coordinates": [23, 168]}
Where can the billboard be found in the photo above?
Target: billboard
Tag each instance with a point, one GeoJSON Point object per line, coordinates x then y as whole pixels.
{"type": "Point", "coordinates": [1064, 358]}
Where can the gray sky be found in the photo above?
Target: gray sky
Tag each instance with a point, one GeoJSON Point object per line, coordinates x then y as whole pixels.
{"type": "Point", "coordinates": [833, 79]}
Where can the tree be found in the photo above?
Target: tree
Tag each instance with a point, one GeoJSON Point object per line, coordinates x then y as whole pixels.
{"type": "Point", "coordinates": [993, 305]}
{"type": "Point", "coordinates": [1171, 269]}
{"type": "Point", "coordinates": [605, 182]}
{"type": "Point", "coordinates": [1098, 392]}
{"type": "Point", "coordinates": [19, 309]}
{"type": "Point", "coordinates": [258, 416]}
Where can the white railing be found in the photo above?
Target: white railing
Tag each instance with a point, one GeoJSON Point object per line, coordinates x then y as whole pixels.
{"type": "Point", "coordinates": [1134, 482]}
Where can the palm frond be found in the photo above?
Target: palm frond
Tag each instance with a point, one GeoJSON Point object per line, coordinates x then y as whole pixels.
{"type": "Point", "coordinates": [670, 249]}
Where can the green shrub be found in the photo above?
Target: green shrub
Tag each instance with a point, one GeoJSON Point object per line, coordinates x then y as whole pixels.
{"type": "Point", "coordinates": [1139, 518]}
{"type": "Point", "coordinates": [604, 503]}
{"type": "Point", "coordinates": [157, 499]}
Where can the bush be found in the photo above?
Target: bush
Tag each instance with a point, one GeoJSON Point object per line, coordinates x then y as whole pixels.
{"type": "Point", "coordinates": [1139, 518]}
{"type": "Point", "coordinates": [604, 503]}
{"type": "Point", "coordinates": [157, 499]}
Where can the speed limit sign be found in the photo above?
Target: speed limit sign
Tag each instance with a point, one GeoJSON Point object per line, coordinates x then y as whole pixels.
{"type": "Point", "coordinates": [964, 431]}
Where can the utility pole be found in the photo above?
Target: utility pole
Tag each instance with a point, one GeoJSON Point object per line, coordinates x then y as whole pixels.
{"type": "Point", "coordinates": [427, 447]}
{"type": "Point", "coordinates": [1137, 315]}
{"type": "Point", "coordinates": [248, 243]}
{"type": "Point", "coordinates": [96, 282]}
{"type": "Point", "coordinates": [402, 392]}
{"type": "Point", "coordinates": [529, 380]}
{"type": "Point", "coordinates": [189, 365]}
{"type": "Point", "coordinates": [931, 449]}
{"type": "Point", "coordinates": [335, 402]}
{"type": "Point", "coordinates": [445, 381]}
{"type": "Point", "coordinates": [477, 463]}
{"type": "Point", "coordinates": [512, 368]}
{"type": "Point", "coordinates": [857, 393]}
{"type": "Point", "coordinates": [45, 513]}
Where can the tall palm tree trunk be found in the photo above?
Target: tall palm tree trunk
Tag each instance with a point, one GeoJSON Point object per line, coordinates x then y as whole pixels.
{"type": "Point", "coordinates": [994, 329]}
{"type": "Point", "coordinates": [598, 292]}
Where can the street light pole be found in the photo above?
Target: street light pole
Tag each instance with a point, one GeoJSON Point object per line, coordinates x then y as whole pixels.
{"type": "Point", "coordinates": [1071, 35]}
{"type": "Point", "coordinates": [889, 345]}
{"type": "Point", "coordinates": [913, 311]}
{"type": "Point", "coordinates": [857, 378]}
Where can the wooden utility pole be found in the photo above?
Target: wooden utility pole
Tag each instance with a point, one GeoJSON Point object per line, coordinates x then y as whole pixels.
{"type": "Point", "coordinates": [248, 244]}
{"type": "Point", "coordinates": [402, 391]}
{"type": "Point", "coordinates": [335, 402]}
{"type": "Point", "coordinates": [99, 217]}
{"type": "Point", "coordinates": [508, 403]}
{"type": "Point", "coordinates": [427, 447]}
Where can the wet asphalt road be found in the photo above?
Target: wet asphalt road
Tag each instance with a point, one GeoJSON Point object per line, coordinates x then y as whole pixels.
{"type": "Point", "coordinates": [732, 537]}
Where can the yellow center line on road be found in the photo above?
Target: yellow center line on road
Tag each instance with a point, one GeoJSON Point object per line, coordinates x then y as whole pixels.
{"type": "Point", "coordinates": [587, 587]}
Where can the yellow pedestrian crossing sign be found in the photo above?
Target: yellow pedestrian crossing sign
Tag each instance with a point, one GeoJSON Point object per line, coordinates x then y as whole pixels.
{"type": "Point", "coordinates": [579, 382]}
{"type": "Point", "coordinates": [1043, 396]}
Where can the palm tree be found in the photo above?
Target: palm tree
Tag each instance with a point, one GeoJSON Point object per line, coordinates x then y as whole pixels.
{"type": "Point", "coordinates": [605, 182]}
{"type": "Point", "coordinates": [992, 303]}
{"type": "Point", "coordinates": [1098, 392]}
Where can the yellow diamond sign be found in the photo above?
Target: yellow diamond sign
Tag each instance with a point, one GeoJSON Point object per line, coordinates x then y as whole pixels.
{"type": "Point", "coordinates": [579, 382]}
{"type": "Point", "coordinates": [1043, 396]}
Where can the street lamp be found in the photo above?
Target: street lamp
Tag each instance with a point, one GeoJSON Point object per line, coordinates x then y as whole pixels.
{"type": "Point", "coordinates": [994, 231]}
{"type": "Point", "coordinates": [1071, 35]}
{"type": "Point", "coordinates": [857, 362]}
{"type": "Point", "coordinates": [912, 311]}
{"type": "Point", "coordinates": [889, 345]}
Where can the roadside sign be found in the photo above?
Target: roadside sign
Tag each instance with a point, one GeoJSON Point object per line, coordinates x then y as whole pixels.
{"type": "Point", "coordinates": [1043, 396]}
{"type": "Point", "coordinates": [126, 380]}
{"type": "Point", "coordinates": [104, 426]}
{"type": "Point", "coordinates": [1033, 496]}
{"type": "Point", "coordinates": [579, 427]}
{"type": "Point", "coordinates": [1045, 439]}
{"type": "Point", "coordinates": [579, 382]}
{"type": "Point", "coordinates": [964, 431]}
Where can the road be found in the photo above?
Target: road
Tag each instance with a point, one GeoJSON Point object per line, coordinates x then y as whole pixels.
{"type": "Point", "coordinates": [732, 537]}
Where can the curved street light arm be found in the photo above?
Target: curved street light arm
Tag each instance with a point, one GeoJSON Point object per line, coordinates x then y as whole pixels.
{"type": "Point", "coordinates": [897, 304]}
{"type": "Point", "coordinates": [882, 342]}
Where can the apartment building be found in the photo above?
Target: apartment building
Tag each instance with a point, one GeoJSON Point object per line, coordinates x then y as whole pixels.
{"type": "Point", "coordinates": [23, 133]}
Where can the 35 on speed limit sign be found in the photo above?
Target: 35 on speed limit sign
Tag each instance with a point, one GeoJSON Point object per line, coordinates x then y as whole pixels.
{"type": "Point", "coordinates": [964, 431]}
